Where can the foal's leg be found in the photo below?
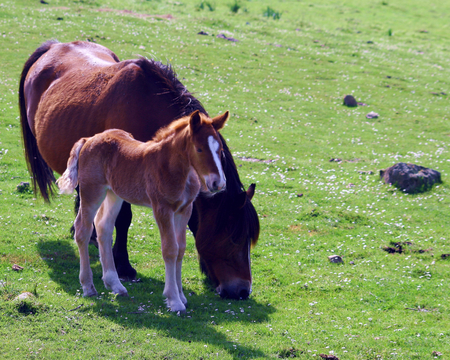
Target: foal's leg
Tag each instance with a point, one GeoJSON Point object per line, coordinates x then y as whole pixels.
{"type": "Point", "coordinates": [169, 245]}
{"type": "Point", "coordinates": [180, 221]}
{"type": "Point", "coordinates": [89, 205]}
{"type": "Point", "coordinates": [120, 252]}
{"type": "Point", "coordinates": [104, 223]}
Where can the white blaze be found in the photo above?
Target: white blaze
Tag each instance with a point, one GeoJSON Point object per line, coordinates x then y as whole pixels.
{"type": "Point", "coordinates": [214, 147]}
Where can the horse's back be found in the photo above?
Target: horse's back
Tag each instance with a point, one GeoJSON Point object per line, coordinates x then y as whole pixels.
{"type": "Point", "coordinates": [79, 89]}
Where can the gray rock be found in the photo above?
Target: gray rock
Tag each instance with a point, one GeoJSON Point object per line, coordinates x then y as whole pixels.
{"type": "Point", "coordinates": [350, 101]}
{"type": "Point", "coordinates": [24, 296]}
{"type": "Point", "coordinates": [372, 115]}
{"type": "Point", "coordinates": [23, 187]}
{"type": "Point", "coordinates": [410, 178]}
{"type": "Point", "coordinates": [335, 259]}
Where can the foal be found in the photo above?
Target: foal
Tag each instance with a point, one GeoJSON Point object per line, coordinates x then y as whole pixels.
{"type": "Point", "coordinates": [165, 173]}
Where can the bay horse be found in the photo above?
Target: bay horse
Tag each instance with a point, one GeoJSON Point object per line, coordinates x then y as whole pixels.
{"type": "Point", "coordinates": [168, 172]}
{"type": "Point", "coordinates": [74, 90]}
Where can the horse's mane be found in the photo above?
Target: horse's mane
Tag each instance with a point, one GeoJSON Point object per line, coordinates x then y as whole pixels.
{"type": "Point", "coordinates": [171, 129]}
{"type": "Point", "coordinates": [247, 224]}
{"type": "Point", "coordinates": [166, 77]}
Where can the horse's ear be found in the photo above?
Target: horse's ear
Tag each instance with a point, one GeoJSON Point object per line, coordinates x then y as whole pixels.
{"type": "Point", "coordinates": [240, 199]}
{"type": "Point", "coordinates": [251, 191]}
{"type": "Point", "coordinates": [195, 121]}
{"type": "Point", "coordinates": [219, 121]}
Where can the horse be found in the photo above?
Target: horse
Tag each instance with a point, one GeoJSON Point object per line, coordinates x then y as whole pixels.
{"type": "Point", "coordinates": [168, 172]}
{"type": "Point", "coordinates": [73, 90]}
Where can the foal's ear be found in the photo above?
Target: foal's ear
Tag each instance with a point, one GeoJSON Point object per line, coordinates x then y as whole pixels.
{"type": "Point", "coordinates": [219, 121]}
{"type": "Point", "coordinates": [195, 121]}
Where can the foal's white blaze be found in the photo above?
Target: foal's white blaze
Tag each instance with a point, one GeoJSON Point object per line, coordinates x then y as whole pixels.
{"type": "Point", "coordinates": [214, 147]}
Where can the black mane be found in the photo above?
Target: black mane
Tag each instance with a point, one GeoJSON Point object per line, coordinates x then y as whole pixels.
{"type": "Point", "coordinates": [246, 224]}
{"type": "Point", "coordinates": [166, 77]}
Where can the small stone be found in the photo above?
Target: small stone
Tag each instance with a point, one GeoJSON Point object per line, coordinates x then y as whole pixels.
{"type": "Point", "coordinates": [350, 101]}
{"type": "Point", "coordinates": [372, 115]}
{"type": "Point", "coordinates": [202, 33]}
{"type": "Point", "coordinates": [24, 296]}
{"type": "Point", "coordinates": [352, 263]}
{"type": "Point", "coordinates": [329, 356]}
{"type": "Point", "coordinates": [23, 187]}
{"type": "Point", "coordinates": [16, 267]}
{"type": "Point", "coordinates": [223, 36]}
{"type": "Point", "coordinates": [335, 259]}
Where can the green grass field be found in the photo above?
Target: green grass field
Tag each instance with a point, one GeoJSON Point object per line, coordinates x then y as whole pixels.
{"type": "Point", "coordinates": [283, 81]}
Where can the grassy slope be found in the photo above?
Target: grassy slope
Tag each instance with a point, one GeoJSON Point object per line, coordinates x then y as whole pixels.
{"type": "Point", "coordinates": [283, 82]}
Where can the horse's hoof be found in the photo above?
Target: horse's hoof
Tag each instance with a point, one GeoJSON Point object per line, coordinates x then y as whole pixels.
{"type": "Point", "coordinates": [121, 291]}
{"type": "Point", "coordinates": [183, 299]}
{"type": "Point", "coordinates": [126, 273]}
{"type": "Point", "coordinates": [177, 308]}
{"type": "Point", "coordinates": [90, 291]}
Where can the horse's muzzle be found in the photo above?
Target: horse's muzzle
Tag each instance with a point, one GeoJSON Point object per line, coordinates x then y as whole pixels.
{"type": "Point", "coordinates": [240, 291]}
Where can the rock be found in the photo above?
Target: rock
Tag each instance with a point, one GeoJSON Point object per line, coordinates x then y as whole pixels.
{"type": "Point", "coordinates": [335, 259]}
{"type": "Point", "coordinates": [223, 36]}
{"type": "Point", "coordinates": [23, 187]}
{"type": "Point", "coordinates": [410, 178]}
{"type": "Point", "coordinates": [372, 115]}
{"type": "Point", "coordinates": [445, 256]}
{"type": "Point", "coordinates": [329, 356]}
{"type": "Point", "coordinates": [350, 101]}
{"type": "Point", "coordinates": [16, 267]}
{"type": "Point", "coordinates": [24, 296]}
{"type": "Point", "coordinates": [202, 33]}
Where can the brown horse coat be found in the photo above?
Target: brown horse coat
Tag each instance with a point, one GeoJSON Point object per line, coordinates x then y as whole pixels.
{"type": "Point", "coordinates": [73, 90]}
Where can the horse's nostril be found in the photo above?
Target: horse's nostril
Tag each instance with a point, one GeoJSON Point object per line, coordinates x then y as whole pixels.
{"type": "Point", "coordinates": [224, 294]}
{"type": "Point", "coordinates": [243, 294]}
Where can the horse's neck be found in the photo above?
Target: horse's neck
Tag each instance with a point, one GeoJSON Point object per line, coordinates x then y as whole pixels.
{"type": "Point", "coordinates": [174, 153]}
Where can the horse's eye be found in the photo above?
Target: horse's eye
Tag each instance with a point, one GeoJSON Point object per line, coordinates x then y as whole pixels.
{"type": "Point", "coordinates": [199, 150]}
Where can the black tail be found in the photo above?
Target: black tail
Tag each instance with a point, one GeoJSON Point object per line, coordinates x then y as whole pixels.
{"type": "Point", "coordinates": [42, 174]}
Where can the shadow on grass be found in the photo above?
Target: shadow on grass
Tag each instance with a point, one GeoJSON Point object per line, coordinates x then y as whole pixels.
{"type": "Point", "coordinates": [145, 308]}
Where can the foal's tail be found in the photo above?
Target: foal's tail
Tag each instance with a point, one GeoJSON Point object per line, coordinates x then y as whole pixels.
{"type": "Point", "coordinates": [69, 179]}
{"type": "Point", "coordinates": [42, 174]}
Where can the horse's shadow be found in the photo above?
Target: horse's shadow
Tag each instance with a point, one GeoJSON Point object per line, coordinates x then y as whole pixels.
{"type": "Point", "coordinates": [146, 304]}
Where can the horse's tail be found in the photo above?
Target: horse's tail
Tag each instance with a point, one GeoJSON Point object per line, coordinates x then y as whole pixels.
{"type": "Point", "coordinates": [69, 179]}
{"type": "Point", "coordinates": [42, 174]}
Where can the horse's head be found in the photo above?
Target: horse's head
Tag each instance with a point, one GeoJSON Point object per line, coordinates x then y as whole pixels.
{"type": "Point", "coordinates": [224, 249]}
{"type": "Point", "coordinates": [206, 150]}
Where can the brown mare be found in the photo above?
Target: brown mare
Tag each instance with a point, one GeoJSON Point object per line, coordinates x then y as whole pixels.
{"type": "Point", "coordinates": [74, 90]}
{"type": "Point", "coordinates": [168, 173]}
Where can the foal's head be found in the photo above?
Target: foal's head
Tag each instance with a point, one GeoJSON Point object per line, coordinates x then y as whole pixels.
{"type": "Point", "coordinates": [206, 149]}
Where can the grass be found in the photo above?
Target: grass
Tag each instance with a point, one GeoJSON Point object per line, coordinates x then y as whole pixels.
{"type": "Point", "coordinates": [283, 82]}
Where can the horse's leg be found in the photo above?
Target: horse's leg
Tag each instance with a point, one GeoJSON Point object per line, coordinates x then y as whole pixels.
{"type": "Point", "coordinates": [76, 207]}
{"type": "Point", "coordinates": [120, 252]}
{"type": "Point", "coordinates": [104, 223]}
{"type": "Point", "coordinates": [83, 230]}
{"type": "Point", "coordinates": [169, 246]}
{"type": "Point", "coordinates": [180, 222]}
